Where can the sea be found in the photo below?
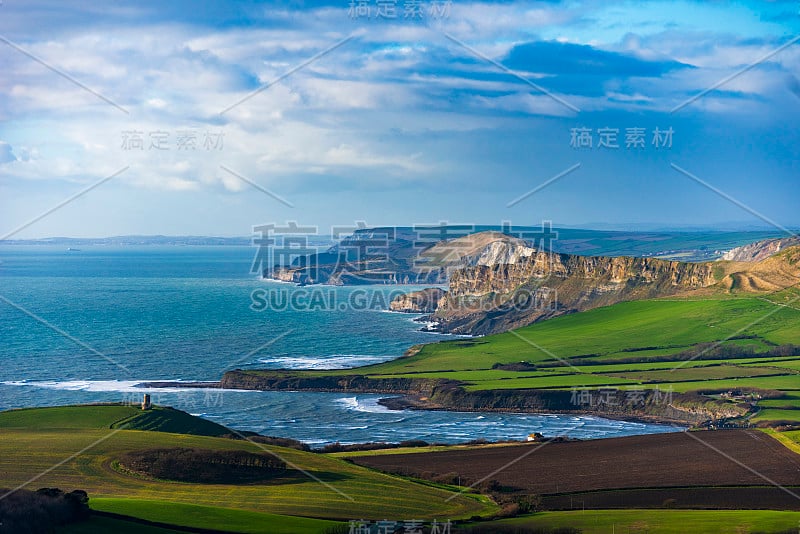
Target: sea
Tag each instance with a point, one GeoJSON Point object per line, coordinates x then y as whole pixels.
{"type": "Point", "coordinates": [87, 325]}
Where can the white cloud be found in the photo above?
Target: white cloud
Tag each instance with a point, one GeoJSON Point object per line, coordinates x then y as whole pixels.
{"type": "Point", "coordinates": [341, 115]}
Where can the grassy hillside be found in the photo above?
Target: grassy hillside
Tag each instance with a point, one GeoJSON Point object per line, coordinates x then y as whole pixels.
{"type": "Point", "coordinates": [117, 526]}
{"type": "Point", "coordinates": [192, 515]}
{"type": "Point", "coordinates": [641, 330]}
{"type": "Point", "coordinates": [35, 440]}
{"type": "Point", "coordinates": [100, 416]}
{"type": "Point", "coordinates": [660, 521]}
{"type": "Point", "coordinates": [157, 419]}
{"type": "Point", "coordinates": [709, 345]}
{"type": "Point", "coordinates": [165, 419]}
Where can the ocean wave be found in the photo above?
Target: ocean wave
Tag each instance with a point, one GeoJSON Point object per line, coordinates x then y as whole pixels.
{"type": "Point", "coordinates": [99, 386]}
{"type": "Point", "coordinates": [369, 405]}
{"type": "Point", "coordinates": [334, 361]}
{"type": "Point", "coordinates": [277, 282]}
{"type": "Point", "coordinates": [350, 403]}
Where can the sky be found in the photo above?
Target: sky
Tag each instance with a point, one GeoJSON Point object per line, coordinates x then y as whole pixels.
{"type": "Point", "coordinates": [180, 118]}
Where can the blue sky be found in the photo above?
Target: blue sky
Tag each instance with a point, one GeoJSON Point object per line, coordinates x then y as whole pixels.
{"type": "Point", "coordinates": [447, 116]}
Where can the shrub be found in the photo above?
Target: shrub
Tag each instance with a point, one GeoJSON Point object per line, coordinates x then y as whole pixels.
{"type": "Point", "coordinates": [529, 503]}
{"type": "Point", "coordinates": [202, 465]}
{"type": "Point", "coordinates": [669, 503]}
{"type": "Point", "coordinates": [44, 510]}
{"type": "Point", "coordinates": [489, 486]}
{"type": "Point", "coordinates": [509, 510]}
{"type": "Point", "coordinates": [371, 446]}
{"type": "Point", "coordinates": [281, 442]}
{"type": "Point", "coordinates": [448, 478]}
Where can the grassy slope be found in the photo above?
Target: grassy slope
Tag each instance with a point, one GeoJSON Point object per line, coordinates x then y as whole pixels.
{"type": "Point", "coordinates": [609, 333]}
{"type": "Point", "coordinates": [662, 521]}
{"type": "Point", "coordinates": [594, 343]}
{"type": "Point", "coordinates": [619, 347]}
{"type": "Point", "coordinates": [35, 440]}
{"type": "Point", "coordinates": [790, 401]}
{"type": "Point", "coordinates": [429, 448]}
{"type": "Point", "coordinates": [117, 526]}
{"type": "Point", "coordinates": [67, 417]}
{"type": "Point", "coordinates": [161, 419]}
{"type": "Point", "coordinates": [624, 347]}
{"type": "Point", "coordinates": [158, 419]}
{"type": "Point", "coordinates": [191, 515]}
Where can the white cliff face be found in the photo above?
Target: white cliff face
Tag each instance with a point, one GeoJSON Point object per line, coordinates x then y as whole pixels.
{"type": "Point", "coordinates": [505, 252]}
{"type": "Point", "coordinates": [759, 250]}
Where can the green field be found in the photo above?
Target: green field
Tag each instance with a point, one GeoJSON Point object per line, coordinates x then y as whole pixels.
{"type": "Point", "coordinates": [117, 526]}
{"type": "Point", "coordinates": [613, 332]}
{"type": "Point", "coordinates": [789, 364]}
{"type": "Point", "coordinates": [160, 419]}
{"type": "Point", "coordinates": [667, 344]}
{"type": "Point", "coordinates": [164, 419]}
{"type": "Point", "coordinates": [668, 365]}
{"type": "Point", "coordinates": [785, 383]}
{"type": "Point", "coordinates": [790, 401]}
{"type": "Point", "coordinates": [80, 442]}
{"type": "Point", "coordinates": [772, 414]}
{"type": "Point", "coordinates": [549, 382]}
{"type": "Point", "coordinates": [715, 372]}
{"type": "Point", "coordinates": [67, 417]}
{"type": "Point", "coordinates": [662, 521]}
{"type": "Point", "coordinates": [192, 515]}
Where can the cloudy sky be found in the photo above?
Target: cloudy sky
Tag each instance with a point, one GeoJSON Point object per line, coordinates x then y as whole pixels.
{"type": "Point", "coordinates": [181, 118]}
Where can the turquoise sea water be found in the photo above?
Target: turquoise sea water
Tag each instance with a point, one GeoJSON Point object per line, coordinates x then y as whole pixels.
{"type": "Point", "coordinates": [117, 316]}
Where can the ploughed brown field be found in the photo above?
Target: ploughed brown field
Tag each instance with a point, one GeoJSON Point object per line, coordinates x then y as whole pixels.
{"type": "Point", "coordinates": [712, 458]}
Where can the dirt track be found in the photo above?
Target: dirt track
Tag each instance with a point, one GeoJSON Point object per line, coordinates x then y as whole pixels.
{"type": "Point", "coordinates": [654, 461]}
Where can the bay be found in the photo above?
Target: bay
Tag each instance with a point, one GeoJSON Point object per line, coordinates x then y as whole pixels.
{"type": "Point", "coordinates": [86, 326]}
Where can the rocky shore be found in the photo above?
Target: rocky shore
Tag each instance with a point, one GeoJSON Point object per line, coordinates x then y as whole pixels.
{"type": "Point", "coordinates": [423, 301]}
{"type": "Point", "coordinates": [450, 395]}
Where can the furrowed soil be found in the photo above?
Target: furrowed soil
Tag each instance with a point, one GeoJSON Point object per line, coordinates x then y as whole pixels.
{"type": "Point", "coordinates": [716, 469]}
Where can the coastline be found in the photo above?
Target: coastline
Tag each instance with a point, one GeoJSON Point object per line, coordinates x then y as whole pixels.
{"type": "Point", "coordinates": [447, 395]}
{"type": "Point", "coordinates": [437, 395]}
